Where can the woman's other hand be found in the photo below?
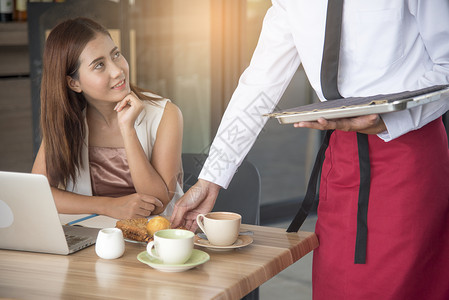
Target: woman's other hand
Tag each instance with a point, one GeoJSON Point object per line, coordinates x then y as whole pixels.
{"type": "Point", "coordinates": [133, 206]}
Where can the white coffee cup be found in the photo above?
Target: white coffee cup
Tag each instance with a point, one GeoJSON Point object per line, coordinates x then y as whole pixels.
{"type": "Point", "coordinates": [221, 228]}
{"type": "Point", "coordinates": [172, 246]}
{"type": "Point", "coordinates": [110, 243]}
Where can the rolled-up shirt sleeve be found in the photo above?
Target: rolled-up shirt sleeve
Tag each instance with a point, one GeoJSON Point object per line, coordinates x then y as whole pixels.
{"type": "Point", "coordinates": [274, 62]}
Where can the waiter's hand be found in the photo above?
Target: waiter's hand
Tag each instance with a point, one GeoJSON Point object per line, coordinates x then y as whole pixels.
{"type": "Point", "coordinates": [370, 124]}
{"type": "Point", "coordinates": [199, 199]}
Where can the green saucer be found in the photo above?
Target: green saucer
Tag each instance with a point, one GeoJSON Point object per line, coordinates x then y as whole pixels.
{"type": "Point", "coordinates": [197, 258]}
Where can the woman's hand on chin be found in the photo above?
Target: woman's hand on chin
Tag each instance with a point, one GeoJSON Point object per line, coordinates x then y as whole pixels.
{"type": "Point", "coordinates": [128, 109]}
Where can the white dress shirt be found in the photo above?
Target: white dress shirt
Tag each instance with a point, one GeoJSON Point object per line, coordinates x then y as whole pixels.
{"type": "Point", "coordinates": [387, 46]}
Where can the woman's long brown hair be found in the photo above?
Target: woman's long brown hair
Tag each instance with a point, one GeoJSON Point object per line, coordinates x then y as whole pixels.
{"type": "Point", "coordinates": [62, 117]}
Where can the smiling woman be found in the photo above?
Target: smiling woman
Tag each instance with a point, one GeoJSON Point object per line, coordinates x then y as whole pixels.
{"type": "Point", "coordinates": [108, 147]}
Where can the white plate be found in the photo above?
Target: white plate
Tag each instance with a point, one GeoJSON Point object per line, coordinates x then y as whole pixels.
{"type": "Point", "coordinates": [135, 242]}
{"type": "Point", "coordinates": [198, 257]}
{"type": "Point", "coordinates": [242, 241]}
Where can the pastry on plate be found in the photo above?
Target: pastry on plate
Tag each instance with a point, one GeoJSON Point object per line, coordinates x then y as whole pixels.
{"type": "Point", "coordinates": [134, 229]}
{"type": "Point", "coordinates": [142, 230]}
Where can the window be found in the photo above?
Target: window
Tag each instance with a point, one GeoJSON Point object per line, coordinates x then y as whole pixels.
{"type": "Point", "coordinates": [173, 53]}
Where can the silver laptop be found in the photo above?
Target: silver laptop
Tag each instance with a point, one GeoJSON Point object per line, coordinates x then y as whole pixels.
{"type": "Point", "coordinates": [29, 220]}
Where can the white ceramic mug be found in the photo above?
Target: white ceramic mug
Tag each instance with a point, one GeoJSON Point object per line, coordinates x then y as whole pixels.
{"type": "Point", "coordinates": [221, 228]}
{"type": "Point", "coordinates": [110, 243]}
{"type": "Point", "coordinates": [172, 246]}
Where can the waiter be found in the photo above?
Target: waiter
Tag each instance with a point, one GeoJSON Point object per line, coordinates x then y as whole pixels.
{"type": "Point", "coordinates": [386, 46]}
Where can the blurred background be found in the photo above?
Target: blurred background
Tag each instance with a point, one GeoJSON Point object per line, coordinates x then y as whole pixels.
{"type": "Point", "coordinates": [191, 52]}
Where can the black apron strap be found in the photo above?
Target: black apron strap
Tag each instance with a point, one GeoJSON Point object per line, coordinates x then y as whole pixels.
{"type": "Point", "coordinates": [307, 203]}
{"type": "Point", "coordinates": [362, 207]}
{"type": "Point", "coordinates": [329, 87]}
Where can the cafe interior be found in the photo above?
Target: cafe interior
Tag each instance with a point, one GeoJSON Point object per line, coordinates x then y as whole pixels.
{"type": "Point", "coordinates": [193, 53]}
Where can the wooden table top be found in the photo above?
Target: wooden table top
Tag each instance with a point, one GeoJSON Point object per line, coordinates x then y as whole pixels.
{"type": "Point", "coordinates": [227, 275]}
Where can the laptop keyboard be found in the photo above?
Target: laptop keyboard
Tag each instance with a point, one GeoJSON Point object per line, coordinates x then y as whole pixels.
{"type": "Point", "coordinates": [72, 239]}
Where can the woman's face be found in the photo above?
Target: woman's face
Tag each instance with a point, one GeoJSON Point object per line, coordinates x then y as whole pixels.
{"type": "Point", "coordinates": [103, 72]}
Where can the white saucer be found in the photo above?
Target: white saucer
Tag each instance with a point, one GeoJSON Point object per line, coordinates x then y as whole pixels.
{"type": "Point", "coordinates": [242, 241]}
{"type": "Point", "coordinates": [198, 257]}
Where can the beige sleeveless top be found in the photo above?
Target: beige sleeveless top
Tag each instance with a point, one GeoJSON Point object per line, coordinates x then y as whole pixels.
{"type": "Point", "coordinates": [109, 172]}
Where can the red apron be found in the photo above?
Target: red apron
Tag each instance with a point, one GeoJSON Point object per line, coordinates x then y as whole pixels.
{"type": "Point", "coordinates": [408, 219]}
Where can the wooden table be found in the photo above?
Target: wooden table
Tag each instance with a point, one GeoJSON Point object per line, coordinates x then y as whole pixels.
{"type": "Point", "coordinates": [227, 275]}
